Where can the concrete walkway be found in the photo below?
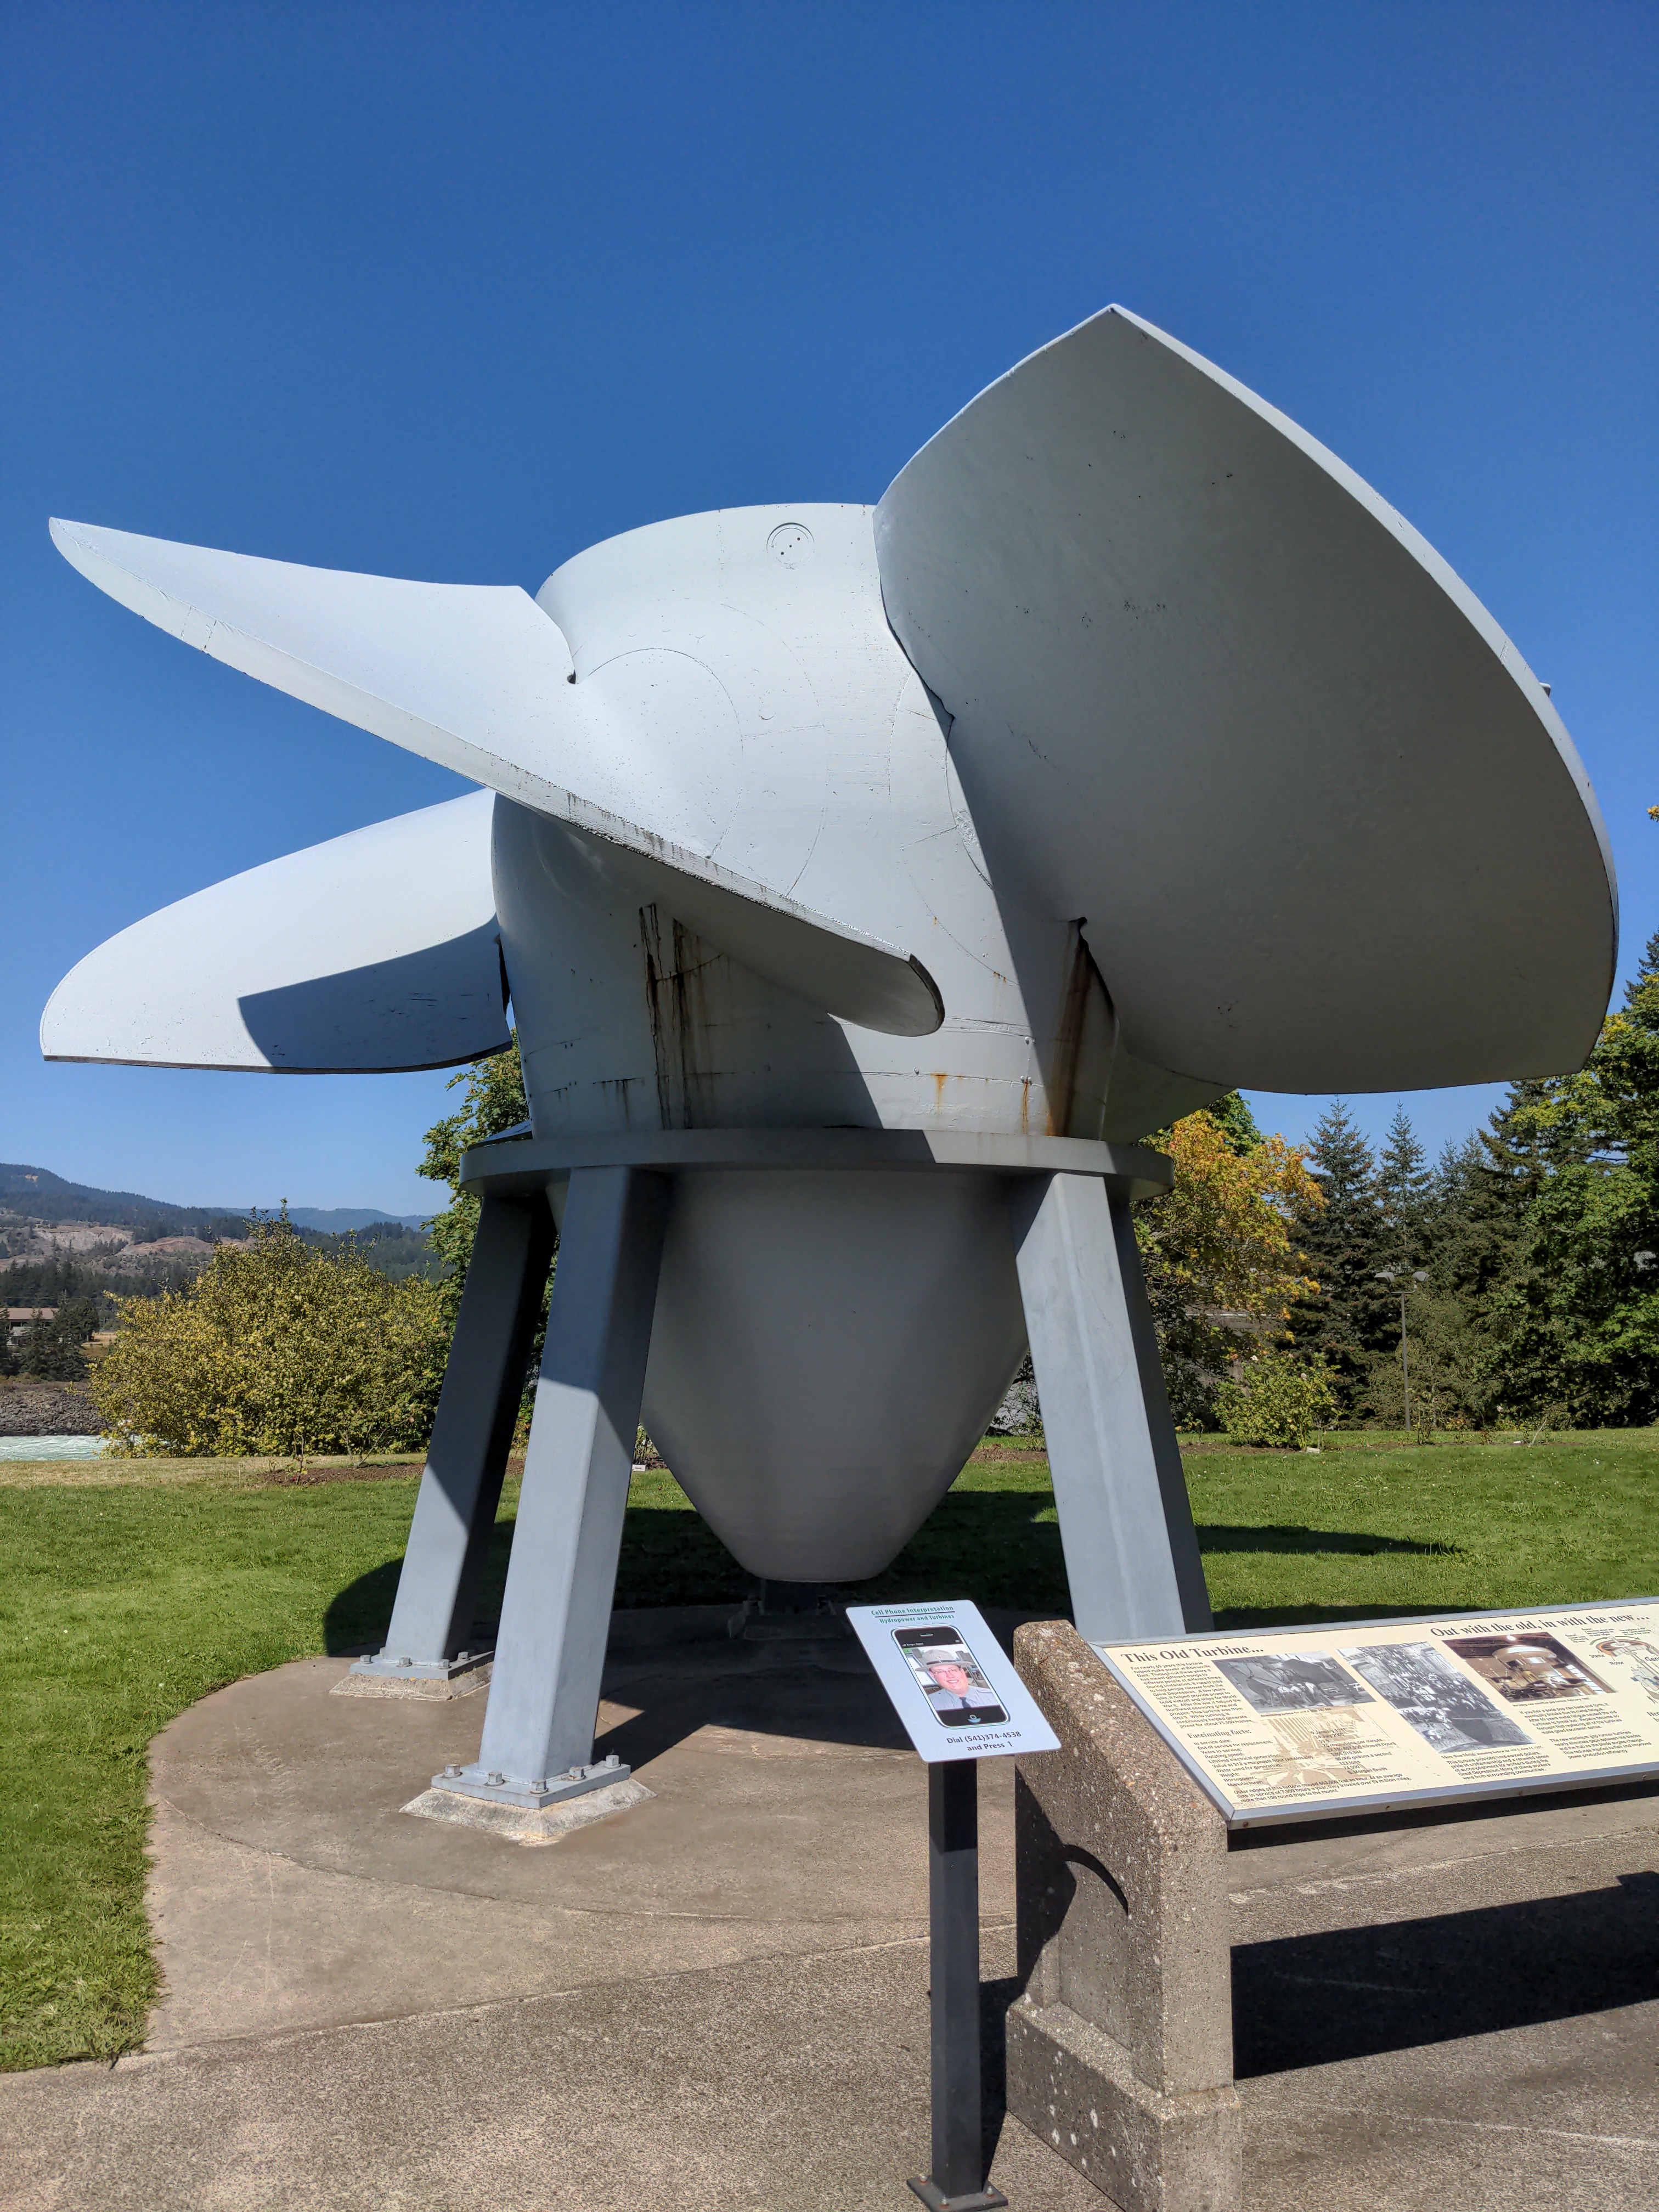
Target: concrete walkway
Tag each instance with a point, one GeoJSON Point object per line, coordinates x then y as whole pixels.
{"type": "Point", "coordinates": [717, 1999]}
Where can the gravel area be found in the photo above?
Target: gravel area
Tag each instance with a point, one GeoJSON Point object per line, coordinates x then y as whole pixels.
{"type": "Point", "coordinates": [47, 1409]}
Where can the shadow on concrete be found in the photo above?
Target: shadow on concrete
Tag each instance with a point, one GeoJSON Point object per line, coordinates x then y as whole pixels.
{"type": "Point", "coordinates": [992, 1545]}
{"type": "Point", "coordinates": [995, 1999]}
{"type": "Point", "coordinates": [1309, 2000]}
{"type": "Point", "coordinates": [824, 1693]}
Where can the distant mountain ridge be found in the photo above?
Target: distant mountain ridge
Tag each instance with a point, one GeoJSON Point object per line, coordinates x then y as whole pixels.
{"type": "Point", "coordinates": [336, 1219]}
{"type": "Point", "coordinates": [49, 1197]}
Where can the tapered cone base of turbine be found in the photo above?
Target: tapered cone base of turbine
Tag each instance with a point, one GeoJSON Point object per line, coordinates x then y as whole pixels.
{"type": "Point", "coordinates": [828, 1348]}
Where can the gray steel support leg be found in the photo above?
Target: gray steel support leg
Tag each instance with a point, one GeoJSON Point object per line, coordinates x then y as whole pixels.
{"type": "Point", "coordinates": [1131, 1552]}
{"type": "Point", "coordinates": [556, 1614]}
{"type": "Point", "coordinates": [461, 1485]}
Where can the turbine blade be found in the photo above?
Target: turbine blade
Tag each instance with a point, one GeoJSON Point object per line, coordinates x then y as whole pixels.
{"type": "Point", "coordinates": [376, 951]}
{"type": "Point", "coordinates": [1211, 693]}
{"type": "Point", "coordinates": [477, 677]}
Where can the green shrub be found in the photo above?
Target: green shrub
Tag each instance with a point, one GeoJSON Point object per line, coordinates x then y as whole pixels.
{"type": "Point", "coordinates": [277, 1349]}
{"type": "Point", "coordinates": [1273, 1398]}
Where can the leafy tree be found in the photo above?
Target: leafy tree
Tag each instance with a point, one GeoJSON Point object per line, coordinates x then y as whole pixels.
{"type": "Point", "coordinates": [1272, 1397]}
{"type": "Point", "coordinates": [1232, 1116]}
{"type": "Point", "coordinates": [1341, 1235]}
{"type": "Point", "coordinates": [493, 1100]}
{"type": "Point", "coordinates": [279, 1348]}
{"type": "Point", "coordinates": [1218, 1251]}
{"type": "Point", "coordinates": [1574, 1320]}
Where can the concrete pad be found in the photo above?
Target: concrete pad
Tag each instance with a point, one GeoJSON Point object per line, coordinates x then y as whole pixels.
{"type": "Point", "coordinates": [780, 2084]}
{"type": "Point", "coordinates": [1564, 2114]}
{"type": "Point", "coordinates": [440, 1687]}
{"type": "Point", "coordinates": [717, 1998]}
{"type": "Point", "coordinates": [786, 1815]}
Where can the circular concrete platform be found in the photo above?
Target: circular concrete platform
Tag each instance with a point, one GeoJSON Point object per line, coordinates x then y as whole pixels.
{"type": "Point", "coordinates": [716, 1999]}
{"type": "Point", "coordinates": [787, 1813]}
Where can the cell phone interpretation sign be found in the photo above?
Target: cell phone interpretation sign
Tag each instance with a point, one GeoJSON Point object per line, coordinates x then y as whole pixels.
{"type": "Point", "coordinates": [951, 1683]}
{"type": "Point", "coordinates": [1362, 1717]}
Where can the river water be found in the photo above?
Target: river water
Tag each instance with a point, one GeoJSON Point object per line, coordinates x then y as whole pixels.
{"type": "Point", "coordinates": [51, 1447]}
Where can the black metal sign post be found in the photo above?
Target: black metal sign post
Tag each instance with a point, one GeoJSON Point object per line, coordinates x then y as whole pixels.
{"type": "Point", "coordinates": [957, 2182]}
{"type": "Point", "coordinates": [961, 1699]}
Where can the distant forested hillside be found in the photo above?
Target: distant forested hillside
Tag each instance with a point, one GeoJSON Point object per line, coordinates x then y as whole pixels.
{"type": "Point", "coordinates": [37, 1195]}
{"type": "Point", "coordinates": [38, 1269]}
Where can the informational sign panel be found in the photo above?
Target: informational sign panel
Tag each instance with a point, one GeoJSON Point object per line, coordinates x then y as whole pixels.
{"type": "Point", "coordinates": [1300, 1723]}
{"type": "Point", "coordinates": [951, 1683]}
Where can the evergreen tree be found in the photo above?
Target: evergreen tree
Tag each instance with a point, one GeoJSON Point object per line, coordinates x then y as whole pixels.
{"type": "Point", "coordinates": [1472, 1221]}
{"type": "Point", "coordinates": [1404, 1194]}
{"type": "Point", "coordinates": [77, 1320]}
{"type": "Point", "coordinates": [1342, 1247]}
{"type": "Point", "coordinates": [50, 1352]}
{"type": "Point", "coordinates": [1468, 1227]}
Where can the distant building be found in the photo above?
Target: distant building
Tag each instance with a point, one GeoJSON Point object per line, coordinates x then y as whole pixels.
{"type": "Point", "coordinates": [19, 1317]}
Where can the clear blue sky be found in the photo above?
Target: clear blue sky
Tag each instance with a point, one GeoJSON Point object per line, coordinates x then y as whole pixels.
{"type": "Point", "coordinates": [452, 292]}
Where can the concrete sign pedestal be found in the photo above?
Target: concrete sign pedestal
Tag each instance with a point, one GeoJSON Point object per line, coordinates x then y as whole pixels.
{"type": "Point", "coordinates": [1132, 1893]}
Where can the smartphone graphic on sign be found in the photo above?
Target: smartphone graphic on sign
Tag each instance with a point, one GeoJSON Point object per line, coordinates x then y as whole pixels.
{"type": "Point", "coordinates": [951, 1678]}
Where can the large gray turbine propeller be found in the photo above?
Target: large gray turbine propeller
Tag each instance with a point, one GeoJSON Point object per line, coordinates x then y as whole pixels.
{"type": "Point", "coordinates": [1186, 684]}
{"type": "Point", "coordinates": [864, 881]}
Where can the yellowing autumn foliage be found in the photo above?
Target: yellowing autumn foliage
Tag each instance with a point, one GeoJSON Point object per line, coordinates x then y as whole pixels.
{"type": "Point", "coordinates": [1219, 1253]}
{"type": "Point", "coordinates": [278, 1348]}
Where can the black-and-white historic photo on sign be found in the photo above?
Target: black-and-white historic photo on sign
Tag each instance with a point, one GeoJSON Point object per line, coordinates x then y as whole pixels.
{"type": "Point", "coordinates": [1444, 1707]}
{"type": "Point", "coordinates": [1293, 1682]}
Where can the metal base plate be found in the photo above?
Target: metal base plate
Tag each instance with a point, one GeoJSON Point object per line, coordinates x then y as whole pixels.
{"type": "Point", "coordinates": [389, 1667]}
{"type": "Point", "coordinates": [977, 2200]}
{"type": "Point", "coordinates": [495, 1788]}
{"type": "Point", "coordinates": [513, 1825]}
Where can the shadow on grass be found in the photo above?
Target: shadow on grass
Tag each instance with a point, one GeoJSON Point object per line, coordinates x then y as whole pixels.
{"type": "Point", "coordinates": [1357, 1542]}
{"type": "Point", "coordinates": [669, 1557]}
{"type": "Point", "coordinates": [1233, 1618]}
{"type": "Point", "coordinates": [358, 1616]}
{"type": "Point", "coordinates": [1000, 1548]}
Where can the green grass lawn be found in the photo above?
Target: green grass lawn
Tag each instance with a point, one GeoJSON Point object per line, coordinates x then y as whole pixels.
{"type": "Point", "coordinates": [127, 1593]}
